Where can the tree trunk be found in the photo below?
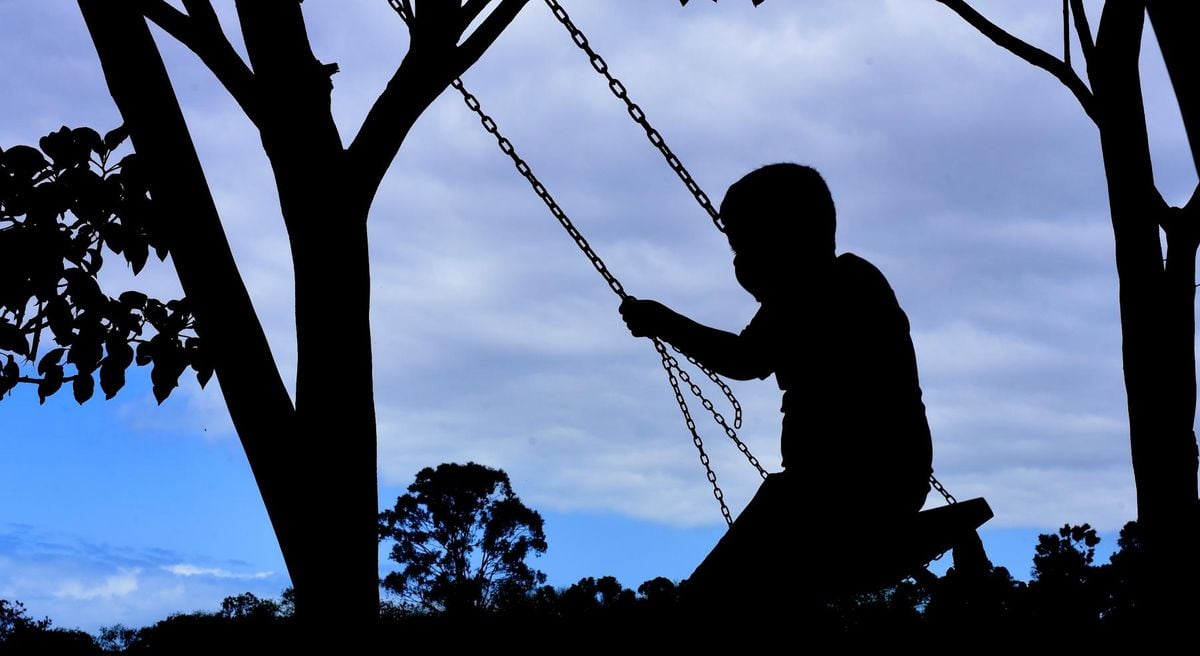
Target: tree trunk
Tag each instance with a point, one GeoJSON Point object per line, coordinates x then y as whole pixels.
{"type": "Point", "coordinates": [1157, 317]}
{"type": "Point", "coordinates": [335, 408]}
{"type": "Point", "coordinates": [315, 466]}
{"type": "Point", "coordinates": [254, 392]}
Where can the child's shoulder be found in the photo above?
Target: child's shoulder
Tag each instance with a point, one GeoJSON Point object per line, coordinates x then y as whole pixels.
{"type": "Point", "coordinates": [851, 266]}
{"type": "Point", "coordinates": [858, 276]}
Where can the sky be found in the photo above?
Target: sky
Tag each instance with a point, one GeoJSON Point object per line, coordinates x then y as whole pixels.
{"type": "Point", "coordinates": [972, 180]}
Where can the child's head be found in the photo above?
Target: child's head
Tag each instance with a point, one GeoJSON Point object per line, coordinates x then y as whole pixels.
{"type": "Point", "coordinates": [780, 223]}
{"type": "Point", "coordinates": [786, 205]}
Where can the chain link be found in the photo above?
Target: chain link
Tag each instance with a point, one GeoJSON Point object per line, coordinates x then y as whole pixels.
{"type": "Point", "coordinates": [670, 366]}
{"type": "Point", "coordinates": [729, 396]}
{"type": "Point", "coordinates": [937, 485]}
{"type": "Point", "coordinates": [636, 113]}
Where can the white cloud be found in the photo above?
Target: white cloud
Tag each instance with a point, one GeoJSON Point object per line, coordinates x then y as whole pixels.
{"type": "Point", "coordinates": [186, 569]}
{"type": "Point", "coordinates": [122, 584]}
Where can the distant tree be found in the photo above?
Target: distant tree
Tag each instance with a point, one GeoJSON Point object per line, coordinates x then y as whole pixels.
{"type": "Point", "coordinates": [287, 602]}
{"type": "Point", "coordinates": [591, 594]}
{"type": "Point", "coordinates": [659, 592]}
{"type": "Point", "coordinates": [116, 639]}
{"type": "Point", "coordinates": [15, 619]}
{"type": "Point", "coordinates": [248, 606]}
{"type": "Point", "coordinates": [461, 540]}
{"type": "Point", "coordinates": [1126, 578]}
{"type": "Point", "coordinates": [1067, 589]}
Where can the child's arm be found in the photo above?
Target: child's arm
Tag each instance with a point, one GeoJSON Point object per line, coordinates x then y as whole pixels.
{"type": "Point", "coordinates": [727, 354]}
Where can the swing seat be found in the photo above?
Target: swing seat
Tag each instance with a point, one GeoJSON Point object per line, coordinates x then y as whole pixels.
{"type": "Point", "coordinates": [928, 535]}
{"type": "Point", "coordinates": [772, 548]}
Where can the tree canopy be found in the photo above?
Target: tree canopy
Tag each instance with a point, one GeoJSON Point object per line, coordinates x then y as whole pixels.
{"type": "Point", "coordinates": [461, 538]}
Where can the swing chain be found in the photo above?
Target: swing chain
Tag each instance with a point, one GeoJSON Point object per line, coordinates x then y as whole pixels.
{"type": "Point", "coordinates": [635, 112]}
{"type": "Point", "coordinates": [672, 367]}
{"type": "Point", "coordinates": [937, 485]}
{"type": "Point", "coordinates": [526, 171]}
{"type": "Point", "coordinates": [729, 395]}
{"type": "Point", "coordinates": [717, 416]}
{"type": "Point", "coordinates": [656, 139]}
{"type": "Point", "coordinates": [674, 371]}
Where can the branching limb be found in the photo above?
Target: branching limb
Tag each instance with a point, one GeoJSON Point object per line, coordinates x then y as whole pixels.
{"type": "Point", "coordinates": [435, 57]}
{"type": "Point", "coordinates": [200, 31]}
{"type": "Point", "coordinates": [1083, 30]}
{"type": "Point", "coordinates": [1031, 54]}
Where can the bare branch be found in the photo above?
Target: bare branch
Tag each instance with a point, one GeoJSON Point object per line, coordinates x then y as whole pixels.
{"type": "Point", "coordinates": [416, 83]}
{"type": "Point", "coordinates": [483, 37]}
{"type": "Point", "coordinates": [1084, 31]}
{"type": "Point", "coordinates": [170, 19]}
{"type": "Point", "coordinates": [472, 9]}
{"type": "Point", "coordinates": [1067, 33]}
{"type": "Point", "coordinates": [1174, 26]}
{"type": "Point", "coordinates": [1033, 55]}
{"type": "Point", "coordinates": [201, 11]}
{"type": "Point", "coordinates": [202, 34]}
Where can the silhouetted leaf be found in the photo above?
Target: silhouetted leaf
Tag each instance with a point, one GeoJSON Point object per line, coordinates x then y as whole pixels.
{"type": "Point", "coordinates": [83, 386]}
{"type": "Point", "coordinates": [8, 376]}
{"type": "Point", "coordinates": [87, 350]}
{"type": "Point", "coordinates": [23, 161]}
{"type": "Point", "coordinates": [112, 377]}
{"type": "Point", "coordinates": [51, 382]}
{"type": "Point", "coordinates": [49, 360]}
{"type": "Point", "coordinates": [12, 339]}
{"type": "Point", "coordinates": [145, 354]}
{"type": "Point", "coordinates": [169, 363]}
{"type": "Point", "coordinates": [133, 300]}
{"type": "Point", "coordinates": [115, 137]}
{"type": "Point", "coordinates": [203, 375]}
{"type": "Point", "coordinates": [88, 138]}
{"type": "Point", "coordinates": [137, 252]}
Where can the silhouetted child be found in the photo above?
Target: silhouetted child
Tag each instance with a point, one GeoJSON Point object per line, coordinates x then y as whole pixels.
{"type": "Point", "coordinates": [855, 442]}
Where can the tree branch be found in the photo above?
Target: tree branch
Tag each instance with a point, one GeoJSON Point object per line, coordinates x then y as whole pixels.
{"type": "Point", "coordinates": [1174, 25]}
{"type": "Point", "coordinates": [1066, 33]}
{"type": "Point", "coordinates": [471, 10]}
{"type": "Point", "coordinates": [1033, 55]}
{"type": "Point", "coordinates": [481, 39]}
{"type": "Point", "coordinates": [202, 34]}
{"type": "Point", "coordinates": [1084, 31]}
{"type": "Point", "coordinates": [418, 81]}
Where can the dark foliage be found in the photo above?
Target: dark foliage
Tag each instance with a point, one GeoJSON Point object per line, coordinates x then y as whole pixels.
{"type": "Point", "coordinates": [63, 208]}
{"type": "Point", "coordinates": [461, 538]}
{"type": "Point", "coordinates": [1068, 597]}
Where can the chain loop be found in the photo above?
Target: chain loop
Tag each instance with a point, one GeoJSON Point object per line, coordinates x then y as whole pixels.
{"type": "Point", "coordinates": [670, 366]}
{"type": "Point", "coordinates": [937, 485]}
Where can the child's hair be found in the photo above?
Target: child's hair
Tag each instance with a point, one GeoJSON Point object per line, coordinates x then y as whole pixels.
{"type": "Point", "coordinates": [785, 201]}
